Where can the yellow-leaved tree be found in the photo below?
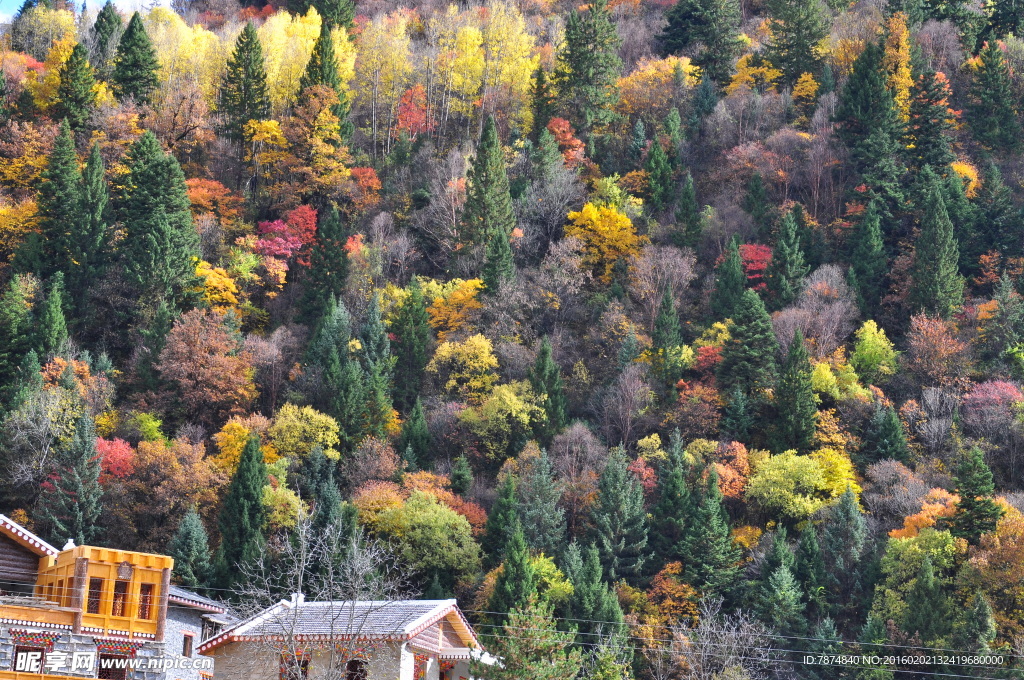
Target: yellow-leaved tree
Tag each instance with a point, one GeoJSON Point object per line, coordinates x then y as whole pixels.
{"type": "Point", "coordinates": [896, 62]}
{"type": "Point", "coordinates": [383, 68]}
{"type": "Point", "coordinates": [188, 54]}
{"type": "Point", "coordinates": [608, 236]}
{"type": "Point", "coordinates": [653, 87]}
{"type": "Point", "coordinates": [466, 369]}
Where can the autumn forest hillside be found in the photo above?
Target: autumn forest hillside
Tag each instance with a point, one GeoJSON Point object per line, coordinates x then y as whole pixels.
{"type": "Point", "coordinates": [674, 339]}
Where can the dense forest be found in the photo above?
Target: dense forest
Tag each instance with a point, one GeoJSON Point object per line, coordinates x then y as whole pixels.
{"type": "Point", "coordinates": [674, 340]}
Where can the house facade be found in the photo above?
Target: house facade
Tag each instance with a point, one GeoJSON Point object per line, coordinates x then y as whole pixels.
{"type": "Point", "coordinates": [91, 612]}
{"type": "Point", "coordinates": [366, 640]}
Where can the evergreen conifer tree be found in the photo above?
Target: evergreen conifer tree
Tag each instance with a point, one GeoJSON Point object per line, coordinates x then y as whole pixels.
{"type": "Point", "coordinates": [107, 26]}
{"type": "Point", "coordinates": [730, 282]}
{"type": "Point", "coordinates": [782, 602]}
{"type": "Point", "coordinates": [75, 94]}
{"type": "Point", "coordinates": [593, 605]}
{"type": "Point", "coordinates": [416, 436]}
{"type": "Point", "coordinates": [884, 438]}
{"type": "Point", "coordinates": [502, 520]}
{"type": "Point", "coordinates": [667, 331]}
{"type": "Point", "coordinates": [412, 332]}
{"type": "Point", "coordinates": [16, 335]}
{"type": "Point", "coordinates": [546, 381]}
{"type": "Point", "coordinates": [243, 94]}
{"type": "Point", "coordinates": [796, 27]}
{"type": "Point", "coordinates": [991, 112]}
{"type": "Point", "coordinates": [6, 106]}
{"type": "Point", "coordinates": [531, 648]}
{"type": "Point", "coordinates": [543, 103]}
{"type": "Point", "coordinates": [868, 262]}
{"type": "Point", "coordinates": [51, 325]}
{"type": "Point", "coordinates": [91, 237]}
{"type": "Point", "coordinates": [322, 70]}
{"type": "Point", "coordinates": [541, 518]}
{"type": "Point", "coordinates": [659, 177]}
{"type": "Point", "coordinates": [976, 512]}
{"type": "Point", "coordinates": [638, 145]}
{"type": "Point", "coordinates": [488, 200]}
{"type": "Point", "coordinates": [668, 516]}
{"type": "Point", "coordinates": [738, 416]}
{"type": "Point", "coordinates": [936, 284]}
{"type": "Point", "coordinates": [1005, 329]}
{"type": "Point", "coordinates": [462, 476]}
{"type": "Point", "coordinates": [809, 570]}
{"type": "Point", "coordinates": [788, 267]}
{"type": "Point", "coordinates": [588, 67]}
{"type": "Point", "coordinates": [705, 99]}
{"type": "Point", "coordinates": [844, 542]}
{"type": "Point", "coordinates": [620, 520]}
{"type": "Point", "coordinates": [710, 558]}
{"type": "Point", "coordinates": [499, 266]}
{"type": "Point", "coordinates": [336, 13]}
{"type": "Point", "coordinates": [976, 630]}
{"type": "Point", "coordinates": [190, 549]}
{"type": "Point", "coordinates": [242, 515]}
{"type": "Point", "coordinates": [928, 609]}
{"type": "Point", "coordinates": [72, 503]}
{"type": "Point", "coordinates": [135, 64]}
{"type": "Point", "coordinates": [688, 215]}
{"type": "Point", "coordinates": [931, 120]}
{"type": "Point", "coordinates": [517, 582]}
{"type": "Point", "coordinates": [329, 264]}
{"type": "Point", "coordinates": [710, 25]}
{"type": "Point", "coordinates": [796, 408]}
{"type": "Point", "coordinates": [58, 201]}
{"type": "Point", "coordinates": [779, 555]}
{"type": "Point", "coordinates": [756, 204]}
{"type": "Point", "coordinates": [994, 221]}
{"type": "Point", "coordinates": [748, 357]}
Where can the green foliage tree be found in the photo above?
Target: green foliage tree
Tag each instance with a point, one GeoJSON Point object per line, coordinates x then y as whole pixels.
{"type": "Point", "coordinates": [995, 216]}
{"type": "Point", "coordinates": [415, 435]}
{"type": "Point", "coordinates": [748, 357]}
{"type": "Point", "coordinates": [329, 264]}
{"type": "Point", "coordinates": [75, 95]}
{"type": "Point", "coordinates": [738, 416]}
{"type": "Point", "coordinates": [976, 629]}
{"type": "Point", "coordinates": [546, 381]}
{"type": "Point", "coordinates": [588, 67]}
{"type": "Point", "coordinates": [976, 512]}
{"type": "Point", "coordinates": [809, 570]}
{"type": "Point", "coordinates": [884, 438]}
{"type": "Point", "coordinates": [190, 549]}
{"type": "Point", "coordinates": [659, 178]}
{"type": "Point", "coordinates": [757, 204]}
{"type": "Point", "coordinates": [711, 561]}
{"type": "Point", "coordinates": [668, 516]}
{"type": "Point", "coordinates": [107, 26]}
{"type": "Point", "coordinates": [543, 103]}
{"type": "Point", "coordinates": [844, 544]}
{"type": "Point", "coordinates": [936, 284]}
{"type": "Point", "coordinates": [90, 241]}
{"type": "Point", "coordinates": [58, 215]}
{"type": "Point", "coordinates": [488, 209]}
{"type": "Point", "coordinates": [930, 122]}
{"type": "Point", "coordinates": [532, 648]}
{"type": "Point", "coordinates": [322, 70]}
{"type": "Point", "coordinates": [620, 520]}
{"type": "Point", "coordinates": [928, 609]}
{"type": "Point", "coordinates": [72, 500]}
{"type": "Point", "coordinates": [868, 261]}
{"type": "Point", "coordinates": [593, 605]}
{"type": "Point", "coordinates": [135, 64]}
{"type": "Point", "coordinates": [667, 335]}
{"type": "Point", "coordinates": [541, 518]}
{"type": "Point", "coordinates": [712, 26]}
{"type": "Point", "coordinates": [730, 282]}
{"type": "Point", "coordinates": [688, 215]}
{"type": "Point", "coordinates": [16, 334]}
{"type": "Point", "coordinates": [782, 602]}
{"type": "Point", "coordinates": [462, 476]}
{"type": "Point", "coordinates": [502, 522]}
{"type": "Point", "coordinates": [991, 112]}
{"type": "Point", "coordinates": [242, 515]}
{"type": "Point", "coordinates": [796, 407]}
{"type": "Point", "coordinates": [243, 94]}
{"type": "Point", "coordinates": [517, 583]}
{"type": "Point", "coordinates": [796, 29]}
{"type": "Point", "coordinates": [788, 267]}
{"type": "Point", "coordinates": [499, 266]}
{"type": "Point", "coordinates": [52, 328]}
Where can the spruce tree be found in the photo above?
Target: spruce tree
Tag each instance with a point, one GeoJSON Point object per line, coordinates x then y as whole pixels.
{"type": "Point", "coordinates": [531, 648]}
{"type": "Point", "coordinates": [592, 606]}
{"type": "Point", "coordinates": [976, 512]}
{"type": "Point", "coordinates": [705, 99]}
{"type": "Point", "coordinates": [730, 282]}
{"type": "Point", "coordinates": [995, 219]}
{"type": "Point", "coordinates": [72, 504]}
{"type": "Point", "coordinates": [91, 237]}
{"type": "Point", "coordinates": [788, 267]}
{"type": "Point", "coordinates": [809, 570]}
{"type": "Point", "coordinates": [411, 346]}
{"type": "Point", "coordinates": [107, 26]}
{"type": "Point", "coordinates": [712, 26]}
{"type": "Point", "coordinates": [336, 13]}
{"type": "Point", "coordinates": [588, 67]}
{"type": "Point", "coordinates": [75, 94]}
{"type": "Point", "coordinates": [620, 521]}
{"type": "Point", "coordinates": [243, 515]}
{"type": "Point", "coordinates": [160, 245]}
{"type": "Point", "coordinates": [991, 112]}
{"type": "Point", "coordinates": [243, 94]}
{"type": "Point", "coordinates": [928, 609]}
{"type": "Point", "coordinates": [190, 549]}
{"type": "Point", "coordinates": [543, 103]}
{"type": "Point", "coordinates": [16, 335]}
{"type": "Point", "coordinates": [844, 544]}
{"type": "Point", "coordinates": [638, 145]}
{"type": "Point", "coordinates": [884, 438]}
{"type": "Point", "coordinates": [868, 261]}
{"type": "Point", "coordinates": [499, 266]}
{"type": "Point", "coordinates": [659, 177]}
{"type": "Point", "coordinates": [58, 214]}
{"type": "Point", "coordinates": [756, 204]}
{"type": "Point", "coordinates": [546, 381]}
{"type": "Point", "coordinates": [488, 201]}
{"type": "Point", "coordinates": [781, 601]}
{"type": "Point", "coordinates": [415, 436]}
{"type": "Point", "coordinates": [796, 408]}
{"type": "Point", "coordinates": [796, 28]}
{"type": "Point", "coordinates": [462, 476]}
{"type": "Point", "coordinates": [936, 285]}
{"type": "Point", "coordinates": [748, 357]}
{"type": "Point", "coordinates": [710, 558]}
{"type": "Point", "coordinates": [1006, 327]}
{"type": "Point", "coordinates": [322, 71]}
{"type": "Point", "coordinates": [6, 106]}
{"type": "Point", "coordinates": [668, 516]}
{"type": "Point", "coordinates": [976, 630]}
{"type": "Point", "coordinates": [667, 331]}
{"type": "Point", "coordinates": [135, 64]}
{"type": "Point", "coordinates": [738, 416]}
{"type": "Point", "coordinates": [329, 264]}
{"type": "Point", "coordinates": [931, 120]}
{"type": "Point", "coordinates": [517, 582]}
{"type": "Point", "coordinates": [502, 520]}
{"type": "Point", "coordinates": [541, 518]}
{"type": "Point", "coordinates": [688, 215]}
{"type": "Point", "coordinates": [51, 326]}
{"type": "Point", "coordinates": [1005, 17]}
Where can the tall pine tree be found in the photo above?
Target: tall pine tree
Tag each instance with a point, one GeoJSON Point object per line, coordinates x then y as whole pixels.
{"type": "Point", "coordinates": [322, 71]}
{"type": "Point", "coordinates": [243, 94]}
{"type": "Point", "coordinates": [976, 512]}
{"type": "Point", "coordinates": [620, 521]}
{"type": "Point", "coordinates": [936, 285]}
{"type": "Point", "coordinates": [592, 605]}
{"type": "Point", "coordinates": [796, 28]}
{"type": "Point", "coordinates": [688, 215]}
{"type": "Point", "coordinates": [795, 405]}
{"type": "Point", "coordinates": [748, 357]}
{"type": "Point", "coordinates": [788, 267]}
{"type": "Point", "coordinates": [588, 67]}
{"type": "Point", "coordinates": [546, 380]}
{"type": "Point", "coordinates": [58, 214]}
{"type": "Point", "coordinates": [710, 26]}
{"type": "Point", "coordinates": [710, 558]}
{"type": "Point", "coordinates": [135, 64]}
{"type": "Point", "coordinates": [488, 200]}
{"type": "Point", "coordinates": [517, 582]}
{"type": "Point", "coordinates": [670, 512]}
{"type": "Point", "coordinates": [992, 111]}
{"type": "Point", "coordinates": [75, 94]}
{"type": "Point", "coordinates": [242, 515]}
{"type": "Point", "coordinates": [329, 264]}
{"type": "Point", "coordinates": [411, 346]}
{"type": "Point", "coordinates": [868, 262]}
{"type": "Point", "coordinates": [884, 438]}
{"type": "Point", "coordinates": [730, 282]}
{"type": "Point", "coordinates": [72, 500]}
{"type": "Point", "coordinates": [542, 520]}
{"type": "Point", "coordinates": [502, 521]}
{"type": "Point", "coordinates": [931, 120]}
{"type": "Point", "coordinates": [104, 30]}
{"type": "Point", "coordinates": [190, 549]}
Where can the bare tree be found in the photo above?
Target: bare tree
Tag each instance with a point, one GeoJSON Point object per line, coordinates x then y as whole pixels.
{"type": "Point", "coordinates": [625, 403]}
{"type": "Point", "coordinates": [337, 581]}
{"type": "Point", "coordinates": [656, 267]}
{"type": "Point", "coordinates": [721, 642]}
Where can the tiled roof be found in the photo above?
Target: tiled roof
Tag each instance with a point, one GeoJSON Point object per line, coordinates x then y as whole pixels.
{"type": "Point", "coordinates": [26, 538]}
{"type": "Point", "coordinates": [365, 620]}
{"type": "Point", "coordinates": [190, 599]}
